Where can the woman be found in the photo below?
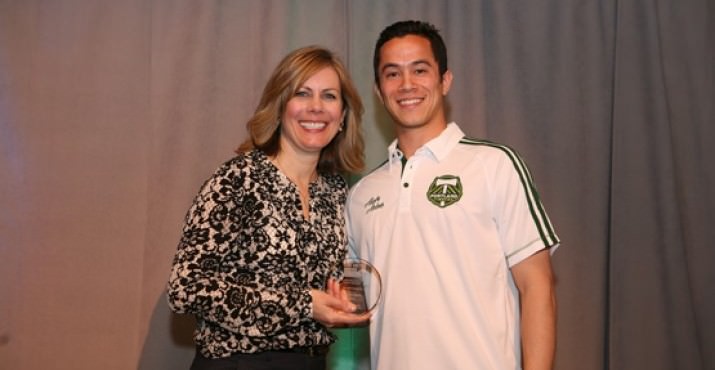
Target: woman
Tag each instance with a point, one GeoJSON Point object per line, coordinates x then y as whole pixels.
{"type": "Point", "coordinates": [265, 237]}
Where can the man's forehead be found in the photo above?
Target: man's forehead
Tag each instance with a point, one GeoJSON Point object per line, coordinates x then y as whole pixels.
{"type": "Point", "coordinates": [407, 50]}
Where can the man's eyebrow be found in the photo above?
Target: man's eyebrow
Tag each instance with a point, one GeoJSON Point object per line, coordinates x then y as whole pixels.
{"type": "Point", "coordinates": [389, 65]}
{"type": "Point", "coordinates": [411, 64]}
{"type": "Point", "coordinates": [421, 62]}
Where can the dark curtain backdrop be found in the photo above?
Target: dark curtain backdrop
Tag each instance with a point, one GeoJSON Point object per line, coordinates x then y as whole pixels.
{"type": "Point", "coordinates": [112, 113]}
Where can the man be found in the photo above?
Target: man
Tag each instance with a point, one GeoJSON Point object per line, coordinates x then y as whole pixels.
{"type": "Point", "coordinates": [455, 227]}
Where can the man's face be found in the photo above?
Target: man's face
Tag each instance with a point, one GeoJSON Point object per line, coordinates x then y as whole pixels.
{"type": "Point", "coordinates": [410, 85]}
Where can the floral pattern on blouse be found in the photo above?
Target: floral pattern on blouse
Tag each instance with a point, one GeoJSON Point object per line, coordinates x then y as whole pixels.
{"type": "Point", "coordinates": [248, 258]}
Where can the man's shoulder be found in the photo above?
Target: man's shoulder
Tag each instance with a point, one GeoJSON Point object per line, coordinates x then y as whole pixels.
{"type": "Point", "coordinates": [476, 143]}
{"type": "Point", "coordinates": [485, 149]}
{"type": "Point", "coordinates": [376, 172]}
{"type": "Point", "coordinates": [374, 178]}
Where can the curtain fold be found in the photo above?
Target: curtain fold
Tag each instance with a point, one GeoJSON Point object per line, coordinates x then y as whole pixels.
{"type": "Point", "coordinates": [662, 188]}
{"type": "Point", "coordinates": [112, 114]}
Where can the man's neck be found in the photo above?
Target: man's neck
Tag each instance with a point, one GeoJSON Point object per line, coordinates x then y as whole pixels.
{"type": "Point", "coordinates": [412, 138]}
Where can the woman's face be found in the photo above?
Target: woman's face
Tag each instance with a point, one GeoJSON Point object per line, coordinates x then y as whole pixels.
{"type": "Point", "coordinates": [313, 114]}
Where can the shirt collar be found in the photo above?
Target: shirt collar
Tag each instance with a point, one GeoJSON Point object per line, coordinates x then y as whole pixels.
{"type": "Point", "coordinates": [438, 147]}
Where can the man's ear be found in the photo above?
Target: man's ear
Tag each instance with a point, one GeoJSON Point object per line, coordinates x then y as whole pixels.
{"type": "Point", "coordinates": [446, 82]}
{"type": "Point", "coordinates": [376, 89]}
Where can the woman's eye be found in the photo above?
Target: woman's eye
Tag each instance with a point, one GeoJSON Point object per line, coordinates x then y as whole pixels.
{"type": "Point", "coordinates": [302, 93]}
{"type": "Point", "coordinates": [330, 96]}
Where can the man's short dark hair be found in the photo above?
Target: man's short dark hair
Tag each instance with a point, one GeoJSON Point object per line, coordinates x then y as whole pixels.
{"type": "Point", "coordinates": [417, 28]}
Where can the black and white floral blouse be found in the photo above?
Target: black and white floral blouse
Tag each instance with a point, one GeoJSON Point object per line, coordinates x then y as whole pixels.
{"type": "Point", "coordinates": [248, 258]}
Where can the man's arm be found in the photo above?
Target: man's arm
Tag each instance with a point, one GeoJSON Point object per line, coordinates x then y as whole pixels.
{"type": "Point", "coordinates": [535, 281]}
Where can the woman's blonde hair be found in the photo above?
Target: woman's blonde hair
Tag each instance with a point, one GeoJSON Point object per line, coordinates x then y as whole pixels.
{"type": "Point", "coordinates": [345, 152]}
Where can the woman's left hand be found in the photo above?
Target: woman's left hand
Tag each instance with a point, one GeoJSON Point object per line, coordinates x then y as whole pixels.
{"type": "Point", "coordinates": [332, 307]}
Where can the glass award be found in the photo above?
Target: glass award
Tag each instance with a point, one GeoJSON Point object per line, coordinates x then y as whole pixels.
{"type": "Point", "coordinates": [362, 283]}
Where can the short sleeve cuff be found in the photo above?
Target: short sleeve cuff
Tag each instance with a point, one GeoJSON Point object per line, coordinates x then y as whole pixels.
{"type": "Point", "coordinates": [528, 250]}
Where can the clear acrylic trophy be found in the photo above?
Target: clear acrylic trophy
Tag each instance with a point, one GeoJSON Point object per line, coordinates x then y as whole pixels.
{"type": "Point", "coordinates": [363, 284]}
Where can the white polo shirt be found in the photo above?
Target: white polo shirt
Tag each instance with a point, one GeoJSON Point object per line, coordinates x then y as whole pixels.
{"type": "Point", "coordinates": [443, 232]}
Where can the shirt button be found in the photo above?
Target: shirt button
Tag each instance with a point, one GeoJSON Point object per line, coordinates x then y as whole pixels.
{"type": "Point", "coordinates": [405, 184]}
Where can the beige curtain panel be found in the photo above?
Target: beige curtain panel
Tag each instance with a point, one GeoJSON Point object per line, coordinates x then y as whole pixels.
{"type": "Point", "coordinates": [112, 114]}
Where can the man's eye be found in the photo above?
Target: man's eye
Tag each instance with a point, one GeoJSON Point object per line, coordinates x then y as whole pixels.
{"type": "Point", "coordinates": [420, 71]}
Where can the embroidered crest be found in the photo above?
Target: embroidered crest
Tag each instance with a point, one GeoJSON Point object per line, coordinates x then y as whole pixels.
{"type": "Point", "coordinates": [445, 190]}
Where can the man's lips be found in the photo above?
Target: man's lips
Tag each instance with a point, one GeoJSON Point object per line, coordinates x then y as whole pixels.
{"type": "Point", "coordinates": [408, 102]}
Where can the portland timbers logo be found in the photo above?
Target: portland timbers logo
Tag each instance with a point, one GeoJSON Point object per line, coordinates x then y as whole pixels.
{"type": "Point", "coordinates": [445, 190]}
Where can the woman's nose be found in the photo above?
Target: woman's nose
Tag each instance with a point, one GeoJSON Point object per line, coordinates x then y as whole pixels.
{"type": "Point", "coordinates": [315, 104]}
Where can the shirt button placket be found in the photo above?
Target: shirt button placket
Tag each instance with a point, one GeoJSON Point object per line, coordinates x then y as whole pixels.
{"type": "Point", "coordinates": [406, 188]}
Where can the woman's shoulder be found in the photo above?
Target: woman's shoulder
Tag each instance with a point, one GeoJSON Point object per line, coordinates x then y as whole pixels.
{"type": "Point", "coordinates": [236, 169]}
{"type": "Point", "coordinates": [335, 181]}
{"type": "Point", "coordinates": [243, 161]}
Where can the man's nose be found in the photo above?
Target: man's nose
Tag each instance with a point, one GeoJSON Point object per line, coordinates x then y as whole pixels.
{"type": "Point", "coordinates": [406, 83]}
